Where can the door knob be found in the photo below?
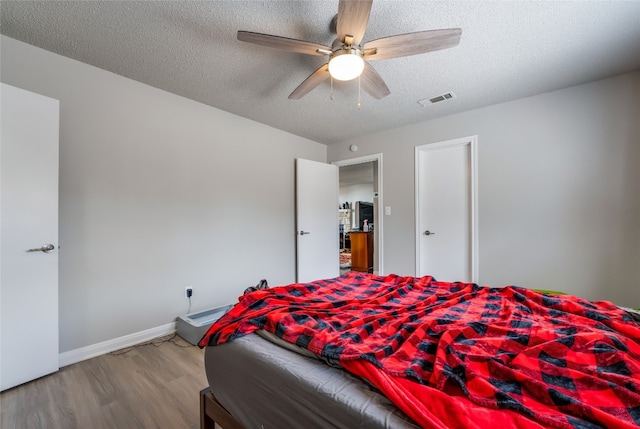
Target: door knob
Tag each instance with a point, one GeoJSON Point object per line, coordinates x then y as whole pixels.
{"type": "Point", "coordinates": [427, 232]}
{"type": "Point", "coordinates": [45, 249]}
{"type": "Point", "coordinates": [304, 232]}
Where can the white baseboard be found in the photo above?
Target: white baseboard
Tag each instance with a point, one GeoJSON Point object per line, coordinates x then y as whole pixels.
{"type": "Point", "coordinates": [88, 352]}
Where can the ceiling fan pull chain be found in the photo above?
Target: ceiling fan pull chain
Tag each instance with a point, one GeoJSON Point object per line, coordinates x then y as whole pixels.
{"type": "Point", "coordinates": [331, 96]}
{"type": "Point", "coordinates": [359, 105]}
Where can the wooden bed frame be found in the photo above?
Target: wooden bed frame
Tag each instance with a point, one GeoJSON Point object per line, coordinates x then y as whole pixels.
{"type": "Point", "coordinates": [212, 413]}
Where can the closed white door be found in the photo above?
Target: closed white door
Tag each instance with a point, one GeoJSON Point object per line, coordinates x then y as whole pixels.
{"type": "Point", "coordinates": [28, 220]}
{"type": "Point", "coordinates": [317, 228]}
{"type": "Point", "coordinates": [445, 211]}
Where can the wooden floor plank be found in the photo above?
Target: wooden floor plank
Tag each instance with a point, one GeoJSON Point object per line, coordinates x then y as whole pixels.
{"type": "Point", "coordinates": [146, 387]}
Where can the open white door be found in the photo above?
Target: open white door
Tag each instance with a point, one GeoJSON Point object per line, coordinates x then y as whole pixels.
{"type": "Point", "coordinates": [317, 229]}
{"type": "Point", "coordinates": [28, 236]}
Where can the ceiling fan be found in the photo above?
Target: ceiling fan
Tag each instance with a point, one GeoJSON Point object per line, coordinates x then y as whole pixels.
{"type": "Point", "coordinates": [348, 57]}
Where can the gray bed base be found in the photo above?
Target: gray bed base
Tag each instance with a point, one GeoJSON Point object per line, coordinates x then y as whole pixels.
{"type": "Point", "coordinates": [255, 384]}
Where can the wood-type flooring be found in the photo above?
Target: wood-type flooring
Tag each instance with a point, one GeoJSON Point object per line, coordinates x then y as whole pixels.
{"type": "Point", "coordinates": [151, 386]}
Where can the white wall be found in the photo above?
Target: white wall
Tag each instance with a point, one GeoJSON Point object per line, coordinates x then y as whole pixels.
{"type": "Point", "coordinates": [359, 192]}
{"type": "Point", "coordinates": [158, 192]}
{"type": "Point", "coordinates": [559, 188]}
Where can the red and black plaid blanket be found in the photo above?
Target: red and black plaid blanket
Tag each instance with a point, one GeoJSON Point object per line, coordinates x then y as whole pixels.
{"type": "Point", "coordinates": [460, 355]}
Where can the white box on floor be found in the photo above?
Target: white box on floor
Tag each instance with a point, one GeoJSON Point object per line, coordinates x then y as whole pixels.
{"type": "Point", "coordinates": [192, 327]}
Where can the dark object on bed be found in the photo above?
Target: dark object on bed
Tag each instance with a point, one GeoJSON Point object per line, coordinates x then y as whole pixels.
{"type": "Point", "coordinates": [262, 284]}
{"type": "Point", "coordinates": [455, 354]}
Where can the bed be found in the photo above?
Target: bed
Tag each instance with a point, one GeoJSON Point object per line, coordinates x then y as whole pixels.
{"type": "Point", "coordinates": [400, 352]}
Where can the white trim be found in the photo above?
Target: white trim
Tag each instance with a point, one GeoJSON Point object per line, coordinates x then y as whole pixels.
{"type": "Point", "coordinates": [475, 262]}
{"type": "Point", "coordinates": [380, 215]}
{"type": "Point", "coordinates": [472, 141]}
{"type": "Point", "coordinates": [88, 352]}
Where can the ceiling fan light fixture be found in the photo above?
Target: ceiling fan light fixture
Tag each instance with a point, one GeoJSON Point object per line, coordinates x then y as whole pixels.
{"type": "Point", "coordinates": [346, 64]}
{"type": "Point", "coordinates": [347, 52]}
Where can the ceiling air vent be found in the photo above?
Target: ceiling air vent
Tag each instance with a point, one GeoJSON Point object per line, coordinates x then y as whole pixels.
{"type": "Point", "coordinates": [437, 99]}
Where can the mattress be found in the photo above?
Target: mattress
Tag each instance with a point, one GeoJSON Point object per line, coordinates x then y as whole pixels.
{"type": "Point", "coordinates": [266, 386]}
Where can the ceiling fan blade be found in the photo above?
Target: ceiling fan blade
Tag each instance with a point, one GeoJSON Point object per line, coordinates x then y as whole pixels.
{"type": "Point", "coordinates": [315, 79]}
{"type": "Point", "coordinates": [278, 42]}
{"type": "Point", "coordinates": [403, 45]}
{"type": "Point", "coordinates": [371, 82]}
{"type": "Point", "coordinates": [353, 16]}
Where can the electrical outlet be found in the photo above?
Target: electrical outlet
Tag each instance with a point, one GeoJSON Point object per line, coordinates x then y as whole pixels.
{"type": "Point", "coordinates": [188, 291]}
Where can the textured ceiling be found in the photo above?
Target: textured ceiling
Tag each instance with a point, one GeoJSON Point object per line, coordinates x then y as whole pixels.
{"type": "Point", "coordinates": [508, 50]}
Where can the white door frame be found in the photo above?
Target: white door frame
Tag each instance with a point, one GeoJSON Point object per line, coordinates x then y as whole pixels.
{"type": "Point", "coordinates": [380, 218]}
{"type": "Point", "coordinates": [472, 141]}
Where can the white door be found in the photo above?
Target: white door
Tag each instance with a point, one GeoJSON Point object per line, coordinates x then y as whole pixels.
{"type": "Point", "coordinates": [317, 229]}
{"type": "Point", "coordinates": [28, 220]}
{"type": "Point", "coordinates": [445, 210]}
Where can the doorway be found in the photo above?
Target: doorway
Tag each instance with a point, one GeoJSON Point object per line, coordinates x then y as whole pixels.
{"type": "Point", "coordinates": [446, 210]}
{"type": "Point", "coordinates": [360, 198]}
